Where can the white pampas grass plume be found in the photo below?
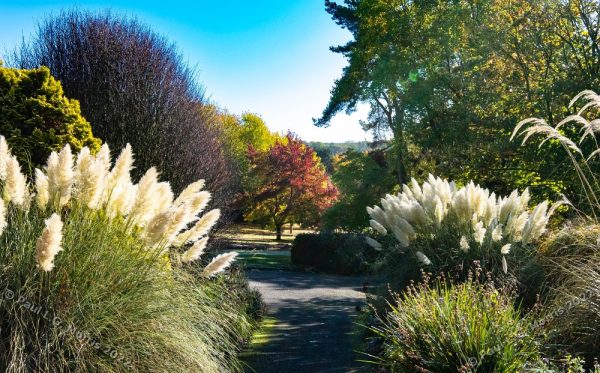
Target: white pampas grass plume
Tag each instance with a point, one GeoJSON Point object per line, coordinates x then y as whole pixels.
{"type": "Point", "coordinates": [464, 244]}
{"type": "Point", "coordinates": [423, 258]}
{"type": "Point", "coordinates": [119, 177]}
{"type": "Point", "coordinates": [373, 243]}
{"type": "Point", "coordinates": [200, 229]}
{"type": "Point", "coordinates": [163, 227]}
{"type": "Point", "coordinates": [156, 228]}
{"type": "Point", "coordinates": [197, 202]}
{"type": "Point", "coordinates": [49, 243]}
{"type": "Point", "coordinates": [123, 166]}
{"type": "Point", "coordinates": [4, 156]}
{"type": "Point", "coordinates": [103, 157]}
{"type": "Point", "coordinates": [400, 236]}
{"type": "Point", "coordinates": [3, 222]}
{"type": "Point", "coordinates": [497, 233]}
{"type": "Point", "coordinates": [219, 264]}
{"type": "Point", "coordinates": [42, 193]}
{"type": "Point", "coordinates": [505, 250]}
{"type": "Point", "coordinates": [479, 233]}
{"type": "Point", "coordinates": [189, 192]}
{"type": "Point", "coordinates": [122, 199]}
{"type": "Point", "coordinates": [15, 186]}
{"type": "Point", "coordinates": [163, 196]}
{"type": "Point", "coordinates": [60, 176]}
{"type": "Point", "coordinates": [145, 206]}
{"type": "Point", "coordinates": [195, 251]}
{"type": "Point", "coordinates": [90, 176]}
{"type": "Point", "coordinates": [504, 265]}
{"type": "Point", "coordinates": [378, 227]}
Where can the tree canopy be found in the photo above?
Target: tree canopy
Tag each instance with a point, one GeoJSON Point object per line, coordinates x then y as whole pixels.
{"type": "Point", "coordinates": [293, 186]}
{"type": "Point", "coordinates": [453, 77]}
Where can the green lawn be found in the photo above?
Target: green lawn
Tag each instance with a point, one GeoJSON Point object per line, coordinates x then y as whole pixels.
{"type": "Point", "coordinates": [262, 260]}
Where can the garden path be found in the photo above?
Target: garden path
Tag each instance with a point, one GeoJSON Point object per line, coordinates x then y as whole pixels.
{"type": "Point", "coordinates": [312, 323]}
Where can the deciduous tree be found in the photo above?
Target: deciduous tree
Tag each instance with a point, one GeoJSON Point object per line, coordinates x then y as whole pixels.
{"type": "Point", "coordinates": [293, 185]}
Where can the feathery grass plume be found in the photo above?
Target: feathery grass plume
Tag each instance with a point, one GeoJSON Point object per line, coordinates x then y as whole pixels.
{"type": "Point", "coordinates": [189, 192]}
{"type": "Point", "coordinates": [49, 243]}
{"type": "Point", "coordinates": [103, 158]}
{"type": "Point", "coordinates": [589, 128]}
{"type": "Point", "coordinates": [60, 176]}
{"type": "Point", "coordinates": [464, 244]}
{"type": "Point", "coordinates": [90, 179]}
{"type": "Point", "coordinates": [144, 205]}
{"type": "Point", "coordinates": [3, 222]}
{"type": "Point", "coordinates": [202, 226]}
{"type": "Point", "coordinates": [197, 202]}
{"type": "Point", "coordinates": [121, 171]}
{"type": "Point", "coordinates": [163, 227]}
{"type": "Point", "coordinates": [425, 217]}
{"type": "Point", "coordinates": [194, 252]}
{"type": "Point", "coordinates": [15, 187]}
{"type": "Point", "coordinates": [119, 187]}
{"type": "Point", "coordinates": [42, 193]}
{"type": "Point", "coordinates": [219, 263]}
{"type": "Point", "coordinates": [163, 197]}
{"type": "Point", "coordinates": [121, 199]}
{"type": "Point", "coordinates": [423, 258]}
{"type": "Point", "coordinates": [378, 227]}
{"type": "Point", "coordinates": [373, 243]}
{"type": "Point", "coordinates": [4, 155]}
{"type": "Point", "coordinates": [505, 250]}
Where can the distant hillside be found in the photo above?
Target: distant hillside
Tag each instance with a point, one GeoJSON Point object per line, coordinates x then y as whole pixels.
{"type": "Point", "coordinates": [334, 148]}
{"type": "Point", "coordinates": [327, 150]}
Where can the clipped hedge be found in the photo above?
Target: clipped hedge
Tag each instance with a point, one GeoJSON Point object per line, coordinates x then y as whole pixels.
{"type": "Point", "coordinates": [340, 253]}
{"type": "Point", "coordinates": [36, 118]}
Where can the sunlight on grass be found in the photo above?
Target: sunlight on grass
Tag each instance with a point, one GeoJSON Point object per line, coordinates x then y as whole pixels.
{"type": "Point", "coordinates": [265, 261]}
{"type": "Point", "coordinates": [264, 334]}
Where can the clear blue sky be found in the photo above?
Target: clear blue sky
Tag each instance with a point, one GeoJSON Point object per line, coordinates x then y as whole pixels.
{"type": "Point", "coordinates": [270, 57]}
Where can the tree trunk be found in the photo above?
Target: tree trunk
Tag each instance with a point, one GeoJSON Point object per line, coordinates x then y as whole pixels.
{"type": "Point", "coordinates": [279, 231]}
{"type": "Point", "coordinates": [291, 228]}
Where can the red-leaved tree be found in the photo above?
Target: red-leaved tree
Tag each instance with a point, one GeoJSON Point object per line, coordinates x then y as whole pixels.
{"type": "Point", "coordinates": [290, 185]}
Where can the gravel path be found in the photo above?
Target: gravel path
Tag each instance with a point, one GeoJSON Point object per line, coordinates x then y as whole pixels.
{"type": "Point", "coordinates": [314, 315]}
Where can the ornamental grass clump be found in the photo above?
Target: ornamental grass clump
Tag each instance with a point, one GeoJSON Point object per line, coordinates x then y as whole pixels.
{"type": "Point", "coordinates": [446, 227]}
{"type": "Point", "coordinates": [96, 273]}
{"type": "Point", "coordinates": [466, 327]}
{"type": "Point", "coordinates": [571, 257]}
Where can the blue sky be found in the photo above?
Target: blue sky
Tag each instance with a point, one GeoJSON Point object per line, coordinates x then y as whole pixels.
{"type": "Point", "coordinates": [270, 57]}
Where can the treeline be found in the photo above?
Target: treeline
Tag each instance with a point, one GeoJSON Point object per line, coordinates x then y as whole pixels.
{"type": "Point", "coordinates": [450, 79]}
{"type": "Point", "coordinates": [126, 84]}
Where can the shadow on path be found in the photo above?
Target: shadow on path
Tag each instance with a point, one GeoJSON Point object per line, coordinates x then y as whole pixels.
{"type": "Point", "coordinates": [314, 314]}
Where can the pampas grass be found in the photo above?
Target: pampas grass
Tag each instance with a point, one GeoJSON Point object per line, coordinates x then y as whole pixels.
{"type": "Point", "coordinates": [219, 264]}
{"type": "Point", "coordinates": [96, 283]}
{"type": "Point", "coordinates": [446, 226]}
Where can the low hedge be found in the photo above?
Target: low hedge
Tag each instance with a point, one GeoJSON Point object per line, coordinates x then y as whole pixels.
{"type": "Point", "coordinates": [340, 253]}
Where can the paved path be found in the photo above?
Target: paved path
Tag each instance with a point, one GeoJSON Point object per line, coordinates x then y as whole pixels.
{"type": "Point", "coordinates": [314, 315]}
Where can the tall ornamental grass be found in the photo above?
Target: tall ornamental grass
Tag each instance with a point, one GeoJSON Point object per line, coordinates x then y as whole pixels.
{"type": "Point", "coordinates": [571, 257]}
{"type": "Point", "coordinates": [446, 227]}
{"type": "Point", "coordinates": [466, 327]}
{"type": "Point", "coordinates": [97, 273]}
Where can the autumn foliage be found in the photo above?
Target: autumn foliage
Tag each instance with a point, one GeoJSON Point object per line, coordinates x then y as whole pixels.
{"type": "Point", "coordinates": [292, 185]}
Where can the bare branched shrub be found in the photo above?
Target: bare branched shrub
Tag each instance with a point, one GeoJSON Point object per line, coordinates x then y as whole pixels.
{"type": "Point", "coordinates": [134, 87]}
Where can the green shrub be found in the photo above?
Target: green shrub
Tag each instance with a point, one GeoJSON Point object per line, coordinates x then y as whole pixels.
{"type": "Point", "coordinates": [340, 253]}
{"type": "Point", "coordinates": [361, 179]}
{"type": "Point", "coordinates": [93, 277]}
{"type": "Point", "coordinates": [36, 118]}
{"type": "Point", "coordinates": [467, 327]}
